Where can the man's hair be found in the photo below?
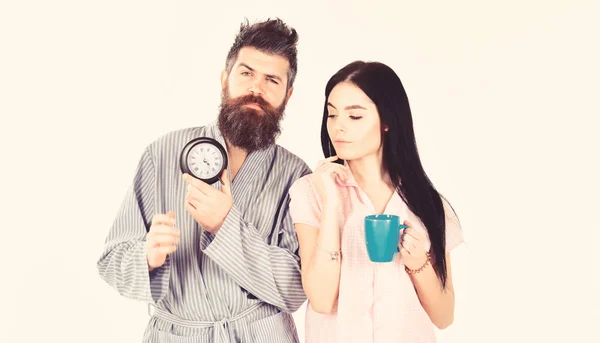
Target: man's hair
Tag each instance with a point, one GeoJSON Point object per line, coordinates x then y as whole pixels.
{"type": "Point", "coordinates": [272, 36]}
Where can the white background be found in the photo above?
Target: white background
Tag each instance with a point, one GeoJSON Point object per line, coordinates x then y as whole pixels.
{"type": "Point", "coordinates": [505, 103]}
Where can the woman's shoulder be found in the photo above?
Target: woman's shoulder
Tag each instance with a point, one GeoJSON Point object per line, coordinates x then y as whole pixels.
{"type": "Point", "coordinates": [301, 185]}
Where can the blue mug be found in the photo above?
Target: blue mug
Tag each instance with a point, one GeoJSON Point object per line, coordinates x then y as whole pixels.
{"type": "Point", "coordinates": [382, 232]}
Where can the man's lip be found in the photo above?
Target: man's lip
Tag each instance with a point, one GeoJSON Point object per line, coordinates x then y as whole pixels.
{"type": "Point", "coordinates": [253, 104]}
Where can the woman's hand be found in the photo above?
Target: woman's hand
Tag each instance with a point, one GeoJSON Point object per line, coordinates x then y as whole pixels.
{"type": "Point", "coordinates": [323, 179]}
{"type": "Point", "coordinates": [412, 247]}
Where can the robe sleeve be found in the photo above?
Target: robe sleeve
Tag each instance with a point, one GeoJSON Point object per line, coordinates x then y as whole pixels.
{"type": "Point", "coordinates": [123, 263]}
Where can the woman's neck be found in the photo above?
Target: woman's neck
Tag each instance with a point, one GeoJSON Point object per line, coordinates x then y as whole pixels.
{"type": "Point", "coordinates": [369, 173]}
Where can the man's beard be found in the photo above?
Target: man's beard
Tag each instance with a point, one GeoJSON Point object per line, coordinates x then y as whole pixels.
{"type": "Point", "coordinates": [247, 127]}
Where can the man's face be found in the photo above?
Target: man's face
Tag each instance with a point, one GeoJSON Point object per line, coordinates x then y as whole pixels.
{"type": "Point", "coordinates": [254, 98]}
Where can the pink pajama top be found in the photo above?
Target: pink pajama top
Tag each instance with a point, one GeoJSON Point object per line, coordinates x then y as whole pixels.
{"type": "Point", "coordinates": [377, 302]}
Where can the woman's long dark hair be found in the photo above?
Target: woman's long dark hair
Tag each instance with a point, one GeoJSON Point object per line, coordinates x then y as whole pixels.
{"type": "Point", "coordinates": [400, 156]}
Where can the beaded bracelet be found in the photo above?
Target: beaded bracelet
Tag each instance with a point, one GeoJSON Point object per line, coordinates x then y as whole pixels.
{"type": "Point", "coordinates": [414, 271]}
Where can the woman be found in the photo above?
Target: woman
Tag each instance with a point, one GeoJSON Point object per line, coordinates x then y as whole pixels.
{"type": "Point", "coordinates": [372, 166]}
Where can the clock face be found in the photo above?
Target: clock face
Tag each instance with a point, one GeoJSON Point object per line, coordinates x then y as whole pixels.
{"type": "Point", "coordinates": [205, 160]}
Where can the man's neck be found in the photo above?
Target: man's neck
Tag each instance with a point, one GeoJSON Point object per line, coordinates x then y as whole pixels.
{"type": "Point", "coordinates": [237, 156]}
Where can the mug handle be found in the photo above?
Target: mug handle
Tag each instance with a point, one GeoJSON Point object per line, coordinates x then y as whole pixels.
{"type": "Point", "coordinates": [400, 227]}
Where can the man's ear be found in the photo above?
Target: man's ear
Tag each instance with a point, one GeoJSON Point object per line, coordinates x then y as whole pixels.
{"type": "Point", "coordinates": [224, 75]}
{"type": "Point", "coordinates": [289, 94]}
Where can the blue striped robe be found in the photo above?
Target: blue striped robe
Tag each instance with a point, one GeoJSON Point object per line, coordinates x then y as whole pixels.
{"type": "Point", "coordinates": [240, 285]}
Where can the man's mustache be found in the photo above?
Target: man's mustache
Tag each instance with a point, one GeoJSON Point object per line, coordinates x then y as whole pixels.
{"type": "Point", "coordinates": [252, 99]}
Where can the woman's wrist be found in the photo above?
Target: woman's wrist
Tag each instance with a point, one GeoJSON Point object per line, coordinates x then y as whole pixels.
{"type": "Point", "coordinates": [421, 268]}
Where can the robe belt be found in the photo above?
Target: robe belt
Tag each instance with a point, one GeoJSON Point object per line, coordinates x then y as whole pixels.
{"type": "Point", "coordinates": [221, 328]}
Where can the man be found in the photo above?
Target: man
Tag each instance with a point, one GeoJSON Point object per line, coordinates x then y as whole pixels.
{"type": "Point", "coordinates": [219, 263]}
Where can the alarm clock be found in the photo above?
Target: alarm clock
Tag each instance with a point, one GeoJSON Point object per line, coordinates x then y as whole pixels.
{"type": "Point", "coordinates": [204, 158]}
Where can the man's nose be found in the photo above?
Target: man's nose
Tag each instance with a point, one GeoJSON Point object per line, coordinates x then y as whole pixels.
{"type": "Point", "coordinates": [256, 87]}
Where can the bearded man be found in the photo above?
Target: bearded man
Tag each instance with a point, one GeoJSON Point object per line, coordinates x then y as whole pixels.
{"type": "Point", "coordinates": [218, 262]}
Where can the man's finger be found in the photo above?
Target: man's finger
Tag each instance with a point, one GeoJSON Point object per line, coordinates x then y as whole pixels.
{"type": "Point", "coordinates": [165, 239]}
{"type": "Point", "coordinates": [202, 186]}
{"type": "Point", "coordinates": [194, 203]}
{"type": "Point", "coordinates": [189, 207]}
{"type": "Point", "coordinates": [225, 183]}
{"type": "Point", "coordinates": [163, 230]}
{"type": "Point", "coordinates": [163, 219]}
{"type": "Point", "coordinates": [165, 250]}
{"type": "Point", "coordinates": [195, 194]}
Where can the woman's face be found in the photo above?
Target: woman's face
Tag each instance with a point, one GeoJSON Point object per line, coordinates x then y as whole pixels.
{"type": "Point", "coordinates": [353, 123]}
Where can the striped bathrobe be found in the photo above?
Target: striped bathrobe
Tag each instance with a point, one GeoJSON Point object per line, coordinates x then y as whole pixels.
{"type": "Point", "coordinates": [240, 285]}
